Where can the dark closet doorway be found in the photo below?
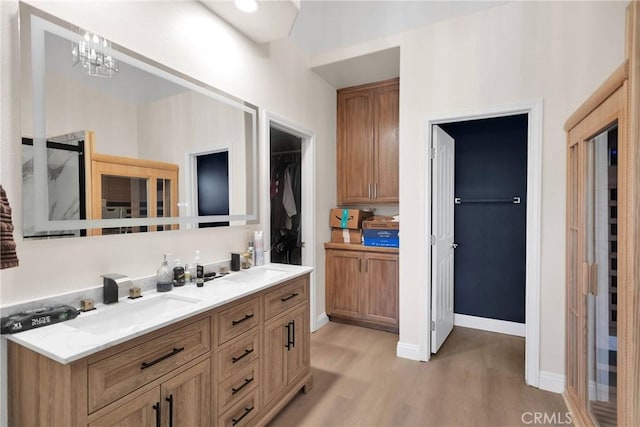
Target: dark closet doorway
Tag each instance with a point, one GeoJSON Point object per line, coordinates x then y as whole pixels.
{"type": "Point", "coordinates": [212, 172]}
{"type": "Point", "coordinates": [286, 197]}
{"type": "Point", "coordinates": [490, 218]}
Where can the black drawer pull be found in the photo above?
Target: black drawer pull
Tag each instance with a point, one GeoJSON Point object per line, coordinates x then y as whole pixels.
{"type": "Point", "coordinates": [246, 382]}
{"type": "Point", "coordinates": [293, 295]}
{"type": "Point", "coordinates": [239, 358]}
{"type": "Point", "coordinates": [246, 317]}
{"type": "Point", "coordinates": [235, 421]}
{"type": "Point", "coordinates": [175, 351]}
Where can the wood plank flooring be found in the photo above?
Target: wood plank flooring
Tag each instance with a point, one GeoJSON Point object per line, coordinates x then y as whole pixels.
{"type": "Point", "coordinates": [477, 379]}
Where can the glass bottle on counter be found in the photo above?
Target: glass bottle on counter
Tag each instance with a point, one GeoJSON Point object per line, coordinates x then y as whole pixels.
{"type": "Point", "coordinates": [164, 277]}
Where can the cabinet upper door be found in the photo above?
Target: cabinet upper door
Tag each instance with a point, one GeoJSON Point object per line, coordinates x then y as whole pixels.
{"type": "Point", "coordinates": [298, 353]}
{"type": "Point", "coordinates": [386, 183]}
{"type": "Point", "coordinates": [355, 146]}
{"type": "Point", "coordinates": [186, 399]}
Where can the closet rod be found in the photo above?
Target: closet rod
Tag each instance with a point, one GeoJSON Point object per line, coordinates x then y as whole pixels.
{"type": "Point", "coordinates": [276, 153]}
{"type": "Point", "coordinates": [513, 200]}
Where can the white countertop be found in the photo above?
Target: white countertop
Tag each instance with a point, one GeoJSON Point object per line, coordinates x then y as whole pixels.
{"type": "Point", "coordinates": [113, 324]}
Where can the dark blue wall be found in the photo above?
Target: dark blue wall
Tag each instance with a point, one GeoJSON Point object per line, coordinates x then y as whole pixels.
{"type": "Point", "coordinates": [490, 162]}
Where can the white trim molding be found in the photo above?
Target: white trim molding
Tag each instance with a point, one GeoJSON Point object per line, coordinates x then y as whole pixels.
{"type": "Point", "coordinates": [321, 320]}
{"type": "Point", "coordinates": [308, 182]}
{"type": "Point", "coordinates": [491, 325]}
{"type": "Point", "coordinates": [534, 111]}
{"type": "Point", "coordinates": [550, 381]}
{"type": "Point", "coordinates": [408, 351]}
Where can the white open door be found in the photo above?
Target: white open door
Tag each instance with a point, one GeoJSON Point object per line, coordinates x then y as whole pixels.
{"type": "Point", "coordinates": [443, 167]}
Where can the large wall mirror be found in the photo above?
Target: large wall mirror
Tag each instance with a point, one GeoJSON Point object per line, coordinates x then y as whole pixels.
{"type": "Point", "coordinates": [113, 142]}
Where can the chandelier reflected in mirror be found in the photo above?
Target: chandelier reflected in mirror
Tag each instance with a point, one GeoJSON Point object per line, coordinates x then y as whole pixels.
{"type": "Point", "coordinates": [89, 54]}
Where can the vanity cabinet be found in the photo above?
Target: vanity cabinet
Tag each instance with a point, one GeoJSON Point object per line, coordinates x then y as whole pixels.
{"type": "Point", "coordinates": [286, 340]}
{"type": "Point", "coordinates": [235, 365]}
{"type": "Point", "coordinates": [181, 400]}
{"type": "Point", "coordinates": [368, 143]}
{"type": "Point", "coordinates": [362, 285]}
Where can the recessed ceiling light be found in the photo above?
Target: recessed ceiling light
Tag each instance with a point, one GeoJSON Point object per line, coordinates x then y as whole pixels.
{"type": "Point", "coordinates": [247, 5]}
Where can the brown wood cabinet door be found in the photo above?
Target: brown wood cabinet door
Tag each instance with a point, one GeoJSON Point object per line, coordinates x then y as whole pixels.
{"type": "Point", "coordinates": [386, 151]}
{"type": "Point", "coordinates": [186, 399]}
{"type": "Point", "coordinates": [343, 280]}
{"type": "Point", "coordinates": [380, 293]}
{"type": "Point", "coordinates": [274, 360]}
{"type": "Point", "coordinates": [139, 412]}
{"type": "Point", "coordinates": [355, 147]}
{"type": "Point", "coordinates": [297, 354]}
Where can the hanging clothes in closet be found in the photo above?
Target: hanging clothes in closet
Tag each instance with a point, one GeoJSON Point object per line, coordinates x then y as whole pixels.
{"type": "Point", "coordinates": [286, 244]}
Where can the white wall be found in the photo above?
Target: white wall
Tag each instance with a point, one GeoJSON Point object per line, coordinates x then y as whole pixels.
{"type": "Point", "coordinates": [189, 38]}
{"type": "Point", "coordinates": [557, 52]}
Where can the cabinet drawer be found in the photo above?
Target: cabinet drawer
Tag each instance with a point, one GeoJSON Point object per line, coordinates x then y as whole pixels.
{"type": "Point", "coordinates": [238, 319]}
{"type": "Point", "coordinates": [119, 374]}
{"type": "Point", "coordinates": [281, 299]}
{"type": "Point", "coordinates": [241, 414]}
{"type": "Point", "coordinates": [238, 355]}
{"type": "Point", "coordinates": [238, 386]}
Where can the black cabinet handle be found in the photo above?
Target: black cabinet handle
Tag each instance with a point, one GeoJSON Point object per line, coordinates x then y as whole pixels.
{"type": "Point", "coordinates": [246, 317]}
{"type": "Point", "coordinates": [242, 356]}
{"type": "Point", "coordinates": [156, 408]}
{"type": "Point", "coordinates": [293, 333]}
{"type": "Point", "coordinates": [170, 400]}
{"type": "Point", "coordinates": [175, 351]}
{"type": "Point", "coordinates": [235, 421]}
{"type": "Point", "coordinates": [293, 295]}
{"type": "Point", "coordinates": [288, 344]}
{"type": "Point", "coordinates": [246, 382]}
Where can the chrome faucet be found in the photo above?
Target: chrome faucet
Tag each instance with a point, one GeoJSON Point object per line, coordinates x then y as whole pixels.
{"type": "Point", "coordinates": [110, 285]}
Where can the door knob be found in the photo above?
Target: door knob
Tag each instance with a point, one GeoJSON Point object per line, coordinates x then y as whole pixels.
{"type": "Point", "coordinates": [454, 245]}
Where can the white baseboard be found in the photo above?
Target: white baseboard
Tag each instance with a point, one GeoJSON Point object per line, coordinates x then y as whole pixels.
{"type": "Point", "coordinates": [552, 382]}
{"type": "Point", "coordinates": [321, 320]}
{"type": "Point", "coordinates": [408, 351]}
{"type": "Point", "coordinates": [492, 325]}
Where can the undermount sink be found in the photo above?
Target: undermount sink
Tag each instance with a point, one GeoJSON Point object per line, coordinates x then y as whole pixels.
{"type": "Point", "coordinates": [128, 314]}
{"type": "Point", "coordinates": [257, 274]}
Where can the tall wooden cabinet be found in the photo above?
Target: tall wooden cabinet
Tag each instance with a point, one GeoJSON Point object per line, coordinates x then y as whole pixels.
{"type": "Point", "coordinates": [362, 285]}
{"type": "Point", "coordinates": [368, 144]}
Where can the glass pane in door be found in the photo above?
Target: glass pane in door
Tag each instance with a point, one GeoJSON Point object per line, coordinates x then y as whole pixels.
{"type": "Point", "coordinates": [601, 245]}
{"type": "Point", "coordinates": [163, 189]}
{"type": "Point", "coordinates": [124, 197]}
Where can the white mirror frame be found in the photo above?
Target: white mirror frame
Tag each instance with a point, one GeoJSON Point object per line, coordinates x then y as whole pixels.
{"type": "Point", "coordinates": [42, 22]}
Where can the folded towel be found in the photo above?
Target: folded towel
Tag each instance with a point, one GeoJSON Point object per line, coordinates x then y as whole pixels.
{"type": "Point", "coordinates": [8, 256]}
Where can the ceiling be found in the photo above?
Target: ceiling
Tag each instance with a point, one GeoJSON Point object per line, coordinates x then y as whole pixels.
{"type": "Point", "coordinates": [329, 24]}
{"type": "Point", "coordinates": [320, 26]}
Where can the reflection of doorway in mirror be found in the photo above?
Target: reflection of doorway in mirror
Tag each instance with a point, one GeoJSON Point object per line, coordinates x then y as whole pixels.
{"type": "Point", "coordinates": [66, 184]}
{"type": "Point", "coordinates": [212, 186]}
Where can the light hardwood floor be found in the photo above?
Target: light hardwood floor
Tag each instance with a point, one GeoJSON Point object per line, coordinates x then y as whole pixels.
{"type": "Point", "coordinates": [477, 379]}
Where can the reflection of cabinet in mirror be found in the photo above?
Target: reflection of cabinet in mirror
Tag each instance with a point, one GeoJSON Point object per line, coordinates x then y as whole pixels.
{"type": "Point", "coordinates": [124, 187]}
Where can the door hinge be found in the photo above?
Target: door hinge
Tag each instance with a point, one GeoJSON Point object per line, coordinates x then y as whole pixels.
{"type": "Point", "coordinates": [432, 239]}
{"type": "Point", "coordinates": [433, 152]}
{"type": "Point", "coordinates": [433, 325]}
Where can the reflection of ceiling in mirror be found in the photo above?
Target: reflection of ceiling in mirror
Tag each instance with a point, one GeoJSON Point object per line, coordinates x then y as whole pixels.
{"type": "Point", "coordinates": [131, 84]}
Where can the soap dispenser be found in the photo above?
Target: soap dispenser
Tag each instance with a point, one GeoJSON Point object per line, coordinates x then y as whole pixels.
{"type": "Point", "coordinates": [199, 270]}
{"type": "Point", "coordinates": [164, 277]}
